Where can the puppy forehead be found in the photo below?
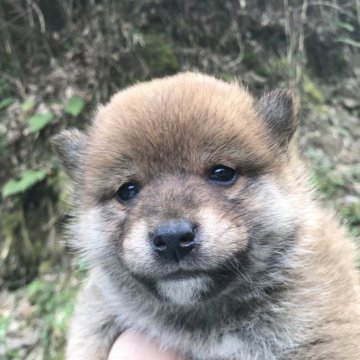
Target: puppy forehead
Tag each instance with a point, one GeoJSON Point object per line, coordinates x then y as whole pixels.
{"type": "Point", "coordinates": [178, 121]}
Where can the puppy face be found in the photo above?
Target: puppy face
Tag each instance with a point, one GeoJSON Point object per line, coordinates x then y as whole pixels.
{"type": "Point", "coordinates": [180, 183]}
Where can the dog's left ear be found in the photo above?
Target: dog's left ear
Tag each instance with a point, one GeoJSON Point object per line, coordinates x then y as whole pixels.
{"type": "Point", "coordinates": [276, 109]}
{"type": "Point", "coordinates": [69, 146]}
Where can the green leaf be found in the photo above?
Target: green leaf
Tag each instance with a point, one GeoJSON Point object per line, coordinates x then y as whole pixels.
{"type": "Point", "coordinates": [346, 26]}
{"type": "Point", "coordinates": [4, 324]}
{"type": "Point", "coordinates": [4, 103]}
{"type": "Point", "coordinates": [27, 105]}
{"type": "Point", "coordinates": [39, 121]}
{"type": "Point", "coordinates": [27, 179]}
{"type": "Point", "coordinates": [74, 106]}
{"type": "Point", "coordinates": [348, 41]}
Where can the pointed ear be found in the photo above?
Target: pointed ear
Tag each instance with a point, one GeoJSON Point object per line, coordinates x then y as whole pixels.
{"type": "Point", "coordinates": [69, 146]}
{"type": "Point", "coordinates": [276, 109]}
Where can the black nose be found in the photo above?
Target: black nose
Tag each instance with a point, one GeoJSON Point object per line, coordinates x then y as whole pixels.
{"type": "Point", "coordinates": [174, 239]}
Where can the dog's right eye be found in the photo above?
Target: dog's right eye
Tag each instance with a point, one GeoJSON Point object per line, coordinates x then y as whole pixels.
{"type": "Point", "coordinates": [127, 192]}
{"type": "Point", "coordinates": [222, 175]}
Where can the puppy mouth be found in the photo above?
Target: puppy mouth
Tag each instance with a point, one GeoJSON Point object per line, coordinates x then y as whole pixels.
{"type": "Point", "coordinates": [187, 287]}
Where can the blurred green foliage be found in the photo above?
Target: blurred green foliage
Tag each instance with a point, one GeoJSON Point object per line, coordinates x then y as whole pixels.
{"type": "Point", "coordinates": [61, 58]}
{"type": "Point", "coordinates": [4, 103]}
{"type": "Point", "coordinates": [26, 180]}
{"type": "Point", "coordinates": [39, 121]}
{"type": "Point", "coordinates": [158, 56]}
{"type": "Point", "coordinates": [74, 106]}
{"type": "Point", "coordinates": [46, 300]}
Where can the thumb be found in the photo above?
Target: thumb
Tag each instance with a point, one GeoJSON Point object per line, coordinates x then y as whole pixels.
{"type": "Point", "coordinates": [134, 346]}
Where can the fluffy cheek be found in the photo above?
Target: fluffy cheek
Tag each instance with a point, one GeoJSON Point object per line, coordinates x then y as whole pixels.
{"type": "Point", "coordinates": [222, 234]}
{"type": "Point", "coordinates": [271, 209]}
{"type": "Point", "coordinates": [98, 230]}
{"type": "Point", "coordinates": [136, 249]}
{"type": "Point", "coordinates": [272, 223]}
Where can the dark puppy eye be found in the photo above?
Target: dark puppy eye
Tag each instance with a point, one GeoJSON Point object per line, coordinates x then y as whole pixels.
{"type": "Point", "coordinates": [127, 191]}
{"type": "Point", "coordinates": [222, 174]}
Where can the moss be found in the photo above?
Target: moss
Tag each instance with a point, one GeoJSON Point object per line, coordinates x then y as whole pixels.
{"type": "Point", "coordinates": [333, 186]}
{"type": "Point", "coordinates": [326, 57]}
{"type": "Point", "coordinates": [30, 233]}
{"type": "Point", "coordinates": [280, 66]}
{"type": "Point", "coordinates": [311, 91]}
{"type": "Point", "coordinates": [158, 56]}
{"type": "Point", "coordinates": [60, 184]}
{"type": "Point", "coordinates": [4, 324]}
{"type": "Point", "coordinates": [53, 302]}
{"type": "Point", "coordinates": [327, 181]}
{"type": "Point", "coordinates": [226, 76]}
{"type": "Point", "coordinates": [17, 255]}
{"type": "Point", "coordinates": [351, 214]}
{"type": "Point", "coordinates": [11, 223]}
{"type": "Point", "coordinates": [51, 299]}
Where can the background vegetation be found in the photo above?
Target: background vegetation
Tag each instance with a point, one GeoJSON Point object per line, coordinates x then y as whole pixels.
{"type": "Point", "coordinates": [60, 58]}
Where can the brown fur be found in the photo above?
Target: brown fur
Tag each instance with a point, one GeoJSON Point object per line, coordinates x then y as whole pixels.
{"type": "Point", "coordinates": [277, 273]}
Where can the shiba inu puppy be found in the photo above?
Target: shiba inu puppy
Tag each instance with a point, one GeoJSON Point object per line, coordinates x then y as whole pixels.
{"type": "Point", "coordinates": [194, 213]}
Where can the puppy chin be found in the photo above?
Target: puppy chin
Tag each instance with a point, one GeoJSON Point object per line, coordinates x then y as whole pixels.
{"type": "Point", "coordinates": [184, 291]}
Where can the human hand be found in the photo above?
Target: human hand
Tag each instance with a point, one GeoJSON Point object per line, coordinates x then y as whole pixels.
{"type": "Point", "coordinates": [134, 346]}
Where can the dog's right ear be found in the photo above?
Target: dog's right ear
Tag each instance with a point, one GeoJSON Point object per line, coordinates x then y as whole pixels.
{"type": "Point", "coordinates": [69, 146]}
{"type": "Point", "coordinates": [277, 110]}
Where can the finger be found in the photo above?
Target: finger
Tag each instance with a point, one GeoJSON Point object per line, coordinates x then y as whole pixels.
{"type": "Point", "coordinates": [134, 346]}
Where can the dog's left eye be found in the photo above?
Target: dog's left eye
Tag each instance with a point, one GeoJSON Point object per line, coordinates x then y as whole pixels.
{"type": "Point", "coordinates": [127, 191]}
{"type": "Point", "coordinates": [222, 174]}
